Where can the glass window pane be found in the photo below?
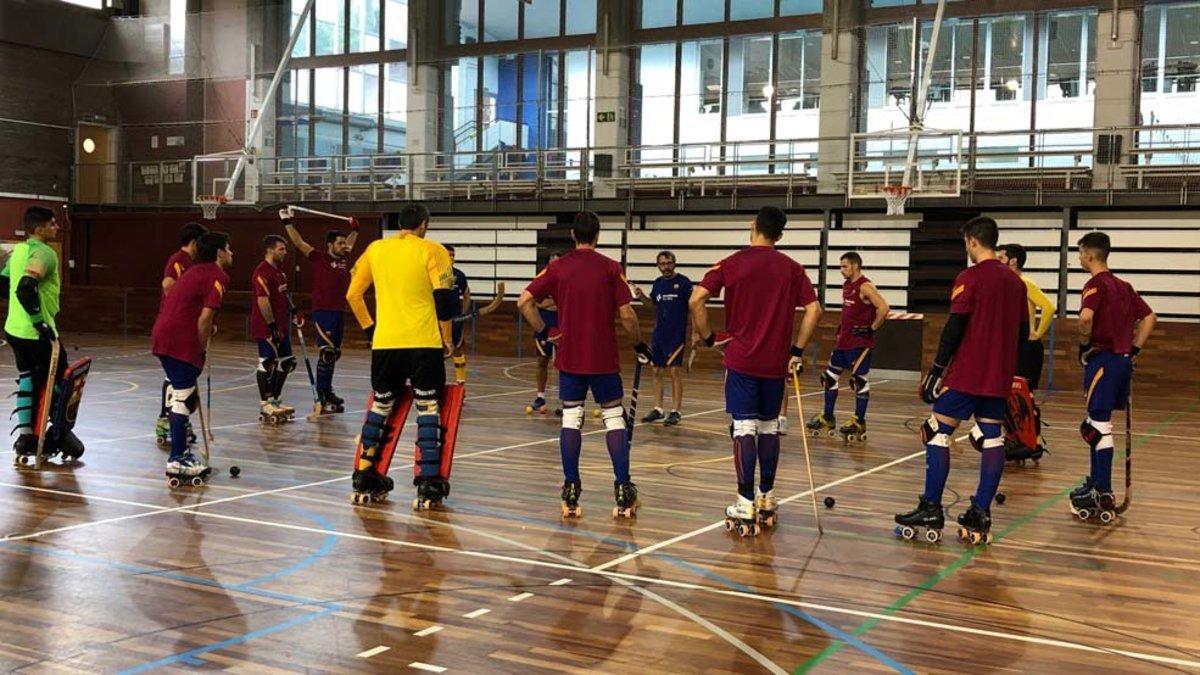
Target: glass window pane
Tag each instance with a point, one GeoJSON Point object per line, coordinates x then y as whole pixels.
{"type": "Point", "coordinates": [500, 20]}
{"type": "Point", "coordinates": [395, 107]}
{"type": "Point", "coordinates": [541, 18]}
{"type": "Point", "coordinates": [700, 88]}
{"type": "Point", "coordinates": [462, 22]}
{"type": "Point", "coordinates": [292, 125]}
{"type": "Point", "coordinates": [1002, 96]}
{"type": "Point", "coordinates": [331, 21]}
{"type": "Point", "coordinates": [1151, 27]}
{"type": "Point", "coordinates": [657, 13]}
{"type": "Point", "coordinates": [328, 117]}
{"type": "Point", "coordinates": [459, 105]}
{"type": "Point", "coordinates": [750, 9]}
{"type": "Point", "coordinates": [578, 103]}
{"type": "Point", "coordinates": [1066, 86]}
{"type": "Point", "coordinates": [794, 7]}
{"type": "Point", "coordinates": [302, 44]}
{"type": "Point", "coordinates": [397, 24]}
{"type": "Point", "coordinates": [500, 126]}
{"type": "Point", "coordinates": [892, 3]}
{"type": "Point", "coordinates": [364, 25]}
{"type": "Point", "coordinates": [1171, 74]}
{"type": "Point", "coordinates": [539, 100]}
{"type": "Point", "coordinates": [799, 83]}
{"type": "Point", "coordinates": [654, 105]}
{"type": "Point", "coordinates": [581, 17]}
{"type": "Point", "coordinates": [1006, 80]}
{"type": "Point", "coordinates": [363, 110]}
{"type": "Point", "coordinates": [703, 11]}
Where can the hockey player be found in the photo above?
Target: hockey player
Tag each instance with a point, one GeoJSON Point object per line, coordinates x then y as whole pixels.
{"type": "Point", "coordinates": [669, 297]}
{"type": "Point", "coordinates": [330, 280]}
{"type": "Point", "coordinates": [1114, 325]}
{"type": "Point", "coordinates": [269, 319]}
{"type": "Point", "coordinates": [176, 265]}
{"type": "Point", "coordinates": [180, 338]}
{"type": "Point", "coordinates": [863, 312]}
{"type": "Point", "coordinates": [971, 376]}
{"type": "Point", "coordinates": [763, 288]}
{"type": "Point", "coordinates": [410, 336]}
{"type": "Point", "coordinates": [1041, 316]}
{"type": "Point", "coordinates": [588, 289]}
{"type": "Point", "coordinates": [548, 312]}
{"type": "Point", "coordinates": [32, 281]}
{"type": "Point", "coordinates": [462, 306]}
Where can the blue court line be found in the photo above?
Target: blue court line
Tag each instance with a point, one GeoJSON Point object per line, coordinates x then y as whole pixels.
{"type": "Point", "coordinates": [831, 630]}
{"type": "Point", "coordinates": [311, 559]}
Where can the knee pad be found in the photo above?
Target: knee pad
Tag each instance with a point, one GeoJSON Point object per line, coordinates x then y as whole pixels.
{"type": "Point", "coordinates": [268, 364]}
{"type": "Point", "coordinates": [572, 417]}
{"type": "Point", "coordinates": [936, 432]}
{"type": "Point", "coordinates": [986, 435]}
{"type": "Point", "coordinates": [829, 380]}
{"type": "Point", "coordinates": [287, 364]}
{"type": "Point", "coordinates": [382, 403]}
{"type": "Point", "coordinates": [328, 355]}
{"type": "Point", "coordinates": [747, 428]}
{"type": "Point", "coordinates": [860, 385]}
{"type": "Point", "coordinates": [766, 427]}
{"type": "Point", "coordinates": [1098, 435]}
{"type": "Point", "coordinates": [185, 401]}
{"type": "Point", "coordinates": [614, 418]}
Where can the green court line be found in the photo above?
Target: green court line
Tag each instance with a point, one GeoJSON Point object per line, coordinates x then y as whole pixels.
{"type": "Point", "coordinates": [969, 555]}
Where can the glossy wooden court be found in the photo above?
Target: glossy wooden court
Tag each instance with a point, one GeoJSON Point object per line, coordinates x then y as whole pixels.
{"type": "Point", "coordinates": [106, 569]}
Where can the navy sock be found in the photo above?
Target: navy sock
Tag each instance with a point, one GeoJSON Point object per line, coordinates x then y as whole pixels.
{"type": "Point", "coordinates": [618, 452]}
{"type": "Point", "coordinates": [1103, 472]}
{"type": "Point", "coordinates": [937, 469]}
{"type": "Point", "coordinates": [745, 454]}
{"type": "Point", "coordinates": [324, 376]}
{"type": "Point", "coordinates": [570, 442]}
{"type": "Point", "coordinates": [768, 458]}
{"type": "Point", "coordinates": [831, 396]}
{"type": "Point", "coordinates": [179, 444]}
{"type": "Point", "coordinates": [991, 468]}
{"type": "Point", "coordinates": [860, 406]}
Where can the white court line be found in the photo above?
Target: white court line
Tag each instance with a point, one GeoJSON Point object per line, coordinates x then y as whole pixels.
{"type": "Point", "coordinates": [426, 667]}
{"type": "Point", "coordinates": [427, 631]}
{"type": "Point", "coordinates": [372, 652]}
{"type": "Point", "coordinates": [560, 582]}
{"type": "Point", "coordinates": [477, 613]}
{"type": "Point", "coordinates": [520, 596]}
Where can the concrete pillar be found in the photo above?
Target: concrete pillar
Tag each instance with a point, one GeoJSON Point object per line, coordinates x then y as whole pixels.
{"type": "Point", "coordinates": [614, 24]}
{"type": "Point", "coordinates": [839, 92]}
{"type": "Point", "coordinates": [1118, 92]}
{"type": "Point", "coordinates": [421, 127]}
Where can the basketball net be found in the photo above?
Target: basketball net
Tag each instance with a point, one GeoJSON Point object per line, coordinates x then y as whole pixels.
{"type": "Point", "coordinates": [896, 196]}
{"type": "Point", "coordinates": [210, 203]}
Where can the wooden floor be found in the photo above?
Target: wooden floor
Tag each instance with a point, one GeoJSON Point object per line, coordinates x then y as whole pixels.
{"type": "Point", "coordinates": [106, 569]}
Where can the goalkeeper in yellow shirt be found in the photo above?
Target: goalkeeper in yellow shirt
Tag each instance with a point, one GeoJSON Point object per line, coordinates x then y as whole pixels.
{"type": "Point", "coordinates": [1031, 354]}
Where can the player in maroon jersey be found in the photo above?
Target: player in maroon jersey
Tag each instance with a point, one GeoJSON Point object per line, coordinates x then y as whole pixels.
{"type": "Point", "coordinates": [176, 265]}
{"type": "Point", "coordinates": [863, 312]}
{"type": "Point", "coordinates": [269, 319]}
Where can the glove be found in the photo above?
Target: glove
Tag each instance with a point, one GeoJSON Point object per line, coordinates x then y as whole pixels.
{"type": "Point", "coordinates": [276, 338]}
{"type": "Point", "coordinates": [1133, 353]}
{"type": "Point", "coordinates": [718, 341]}
{"type": "Point", "coordinates": [931, 384]}
{"type": "Point", "coordinates": [286, 215]}
{"type": "Point", "coordinates": [643, 353]}
{"type": "Point", "coordinates": [298, 320]}
{"type": "Point", "coordinates": [796, 362]}
{"type": "Point", "coordinates": [370, 331]}
{"type": "Point", "coordinates": [548, 335]}
{"type": "Point", "coordinates": [1085, 353]}
{"type": "Point", "coordinates": [862, 330]}
{"type": "Point", "coordinates": [44, 331]}
{"type": "Point", "coordinates": [353, 224]}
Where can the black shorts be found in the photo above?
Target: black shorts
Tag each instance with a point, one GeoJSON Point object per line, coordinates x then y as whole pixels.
{"type": "Point", "coordinates": [1030, 356]}
{"type": "Point", "coordinates": [392, 369]}
{"type": "Point", "coordinates": [34, 356]}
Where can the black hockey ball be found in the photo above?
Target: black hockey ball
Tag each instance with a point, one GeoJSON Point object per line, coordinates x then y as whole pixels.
{"type": "Point", "coordinates": [829, 502]}
{"type": "Point", "coordinates": [1000, 498]}
{"type": "Point", "coordinates": [234, 471]}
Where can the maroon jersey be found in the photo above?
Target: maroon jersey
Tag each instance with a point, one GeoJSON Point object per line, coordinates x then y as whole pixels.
{"type": "Point", "coordinates": [1117, 308]}
{"type": "Point", "coordinates": [268, 281]}
{"type": "Point", "coordinates": [856, 313]}
{"type": "Point", "coordinates": [763, 287]}
{"type": "Point", "coordinates": [331, 280]}
{"type": "Point", "coordinates": [588, 288]}
{"type": "Point", "coordinates": [986, 359]}
{"type": "Point", "coordinates": [177, 264]}
{"type": "Point", "coordinates": [175, 330]}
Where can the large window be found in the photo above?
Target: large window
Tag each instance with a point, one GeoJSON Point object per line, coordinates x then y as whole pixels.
{"type": "Point", "coordinates": [364, 25]}
{"type": "Point", "coordinates": [704, 11]}
{"type": "Point", "coordinates": [701, 88]}
{"type": "Point", "coordinates": [304, 43]}
{"type": "Point", "coordinates": [578, 95]}
{"type": "Point", "coordinates": [799, 86]}
{"type": "Point", "coordinates": [395, 107]}
{"type": "Point", "coordinates": [654, 106]}
{"type": "Point", "coordinates": [362, 119]}
{"type": "Point", "coordinates": [292, 125]}
{"type": "Point", "coordinates": [396, 24]}
{"type": "Point", "coordinates": [657, 13]}
{"type": "Point", "coordinates": [542, 19]}
{"type": "Point", "coordinates": [751, 9]}
{"type": "Point", "coordinates": [500, 20]}
{"type": "Point", "coordinates": [1171, 64]}
{"type": "Point", "coordinates": [328, 111]}
{"type": "Point", "coordinates": [330, 21]}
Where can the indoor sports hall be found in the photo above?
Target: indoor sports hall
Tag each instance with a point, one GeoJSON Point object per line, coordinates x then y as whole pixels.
{"type": "Point", "coordinates": [204, 202]}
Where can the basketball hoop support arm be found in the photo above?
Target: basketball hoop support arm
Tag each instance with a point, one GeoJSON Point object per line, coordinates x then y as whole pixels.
{"type": "Point", "coordinates": [268, 98]}
{"type": "Point", "coordinates": [918, 122]}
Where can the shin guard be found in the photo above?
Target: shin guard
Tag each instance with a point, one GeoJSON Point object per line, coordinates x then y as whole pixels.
{"type": "Point", "coordinates": [768, 453]}
{"type": "Point", "coordinates": [26, 402]}
{"type": "Point", "coordinates": [745, 455]}
{"type": "Point", "coordinates": [381, 430]}
{"type": "Point", "coordinates": [570, 441]}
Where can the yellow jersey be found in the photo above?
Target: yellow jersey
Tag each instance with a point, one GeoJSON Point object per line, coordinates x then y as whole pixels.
{"type": "Point", "coordinates": [1039, 326]}
{"type": "Point", "coordinates": [405, 271]}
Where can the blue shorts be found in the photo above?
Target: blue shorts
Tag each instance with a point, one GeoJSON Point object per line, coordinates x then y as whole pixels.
{"type": "Point", "coordinates": [182, 374]}
{"type": "Point", "coordinates": [753, 398]}
{"type": "Point", "coordinates": [330, 325]}
{"type": "Point", "coordinates": [605, 388]}
{"type": "Point", "coordinates": [268, 351]}
{"type": "Point", "coordinates": [856, 360]}
{"type": "Point", "coordinates": [1106, 381]}
{"type": "Point", "coordinates": [665, 354]}
{"type": "Point", "coordinates": [960, 406]}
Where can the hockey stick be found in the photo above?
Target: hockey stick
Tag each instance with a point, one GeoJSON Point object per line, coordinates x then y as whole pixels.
{"type": "Point", "coordinates": [315, 212]}
{"type": "Point", "coordinates": [44, 406]}
{"type": "Point", "coordinates": [486, 309]}
{"type": "Point", "coordinates": [208, 393]}
{"type": "Point", "coordinates": [312, 381]}
{"type": "Point", "coordinates": [204, 433]}
{"type": "Point", "coordinates": [1128, 499]}
{"type": "Point", "coordinates": [633, 401]}
{"type": "Point", "coordinates": [812, 488]}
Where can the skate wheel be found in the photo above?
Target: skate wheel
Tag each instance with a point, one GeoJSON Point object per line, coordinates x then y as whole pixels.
{"type": "Point", "coordinates": [852, 438]}
{"type": "Point", "coordinates": [544, 410]}
{"type": "Point", "coordinates": [1107, 517]}
{"type": "Point", "coordinates": [728, 525]}
{"type": "Point", "coordinates": [769, 521]}
{"type": "Point", "coordinates": [933, 536]}
{"type": "Point", "coordinates": [1083, 514]}
{"type": "Point", "coordinates": [831, 433]}
{"type": "Point", "coordinates": [162, 442]}
{"type": "Point", "coordinates": [906, 532]}
{"type": "Point", "coordinates": [862, 438]}
{"type": "Point", "coordinates": [197, 481]}
{"type": "Point", "coordinates": [173, 482]}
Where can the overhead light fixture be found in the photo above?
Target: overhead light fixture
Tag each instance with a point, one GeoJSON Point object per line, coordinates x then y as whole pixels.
{"type": "Point", "coordinates": [89, 146]}
{"type": "Point", "coordinates": [713, 87]}
{"type": "Point", "coordinates": [1012, 85]}
{"type": "Point", "coordinates": [768, 91]}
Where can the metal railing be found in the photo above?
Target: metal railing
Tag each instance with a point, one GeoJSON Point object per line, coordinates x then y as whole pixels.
{"type": "Point", "coordinates": [1154, 160]}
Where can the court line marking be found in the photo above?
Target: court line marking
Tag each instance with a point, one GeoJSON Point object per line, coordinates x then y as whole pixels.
{"type": "Point", "coordinates": [372, 652]}
{"type": "Point", "coordinates": [560, 582]}
{"type": "Point", "coordinates": [520, 596]}
{"type": "Point", "coordinates": [477, 613]}
{"type": "Point", "coordinates": [426, 667]}
{"type": "Point", "coordinates": [427, 631]}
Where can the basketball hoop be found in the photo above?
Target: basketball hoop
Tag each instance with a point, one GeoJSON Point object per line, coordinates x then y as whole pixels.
{"type": "Point", "coordinates": [896, 196]}
{"type": "Point", "coordinates": [209, 204]}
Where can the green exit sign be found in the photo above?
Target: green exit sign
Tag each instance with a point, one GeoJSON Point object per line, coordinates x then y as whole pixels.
{"type": "Point", "coordinates": [606, 116]}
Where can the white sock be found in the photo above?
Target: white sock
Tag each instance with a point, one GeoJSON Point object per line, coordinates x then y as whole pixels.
{"type": "Point", "coordinates": [541, 394]}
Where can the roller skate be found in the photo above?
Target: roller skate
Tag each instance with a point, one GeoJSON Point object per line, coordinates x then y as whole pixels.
{"type": "Point", "coordinates": [570, 499]}
{"type": "Point", "coordinates": [369, 486]}
{"type": "Point", "coordinates": [539, 406]}
{"type": "Point", "coordinates": [269, 413]}
{"type": "Point", "coordinates": [1094, 504]}
{"type": "Point", "coordinates": [783, 425]}
{"type": "Point", "coordinates": [742, 517]}
{"type": "Point", "coordinates": [925, 521]}
{"type": "Point", "coordinates": [653, 416]}
{"type": "Point", "coordinates": [25, 451]}
{"type": "Point", "coordinates": [1084, 488]}
{"type": "Point", "coordinates": [672, 419]}
{"type": "Point", "coordinates": [627, 500]}
{"type": "Point", "coordinates": [162, 433]}
{"type": "Point", "coordinates": [820, 425]}
{"type": "Point", "coordinates": [331, 403]}
{"type": "Point", "coordinates": [187, 470]}
{"type": "Point", "coordinates": [975, 525]}
{"type": "Point", "coordinates": [430, 493]}
{"type": "Point", "coordinates": [69, 446]}
{"type": "Point", "coordinates": [767, 506]}
{"type": "Point", "coordinates": [853, 431]}
{"type": "Point", "coordinates": [285, 409]}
